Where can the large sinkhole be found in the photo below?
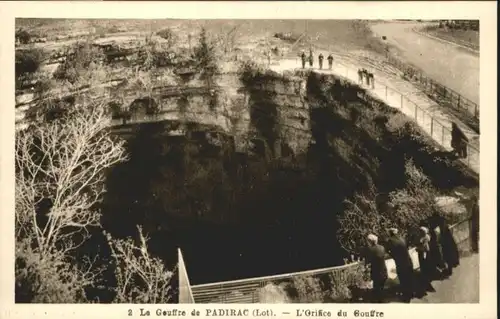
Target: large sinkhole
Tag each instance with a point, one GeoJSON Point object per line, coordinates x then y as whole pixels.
{"type": "Point", "coordinates": [272, 208]}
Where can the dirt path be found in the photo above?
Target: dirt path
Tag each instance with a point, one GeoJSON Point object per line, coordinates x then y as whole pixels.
{"type": "Point", "coordinates": [448, 64]}
{"type": "Point", "coordinates": [438, 127]}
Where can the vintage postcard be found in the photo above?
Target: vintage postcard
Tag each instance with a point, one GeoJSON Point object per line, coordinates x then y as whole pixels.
{"type": "Point", "coordinates": [241, 159]}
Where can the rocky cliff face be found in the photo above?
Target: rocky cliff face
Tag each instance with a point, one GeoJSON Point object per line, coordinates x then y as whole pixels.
{"type": "Point", "coordinates": [272, 110]}
{"type": "Point", "coordinates": [234, 206]}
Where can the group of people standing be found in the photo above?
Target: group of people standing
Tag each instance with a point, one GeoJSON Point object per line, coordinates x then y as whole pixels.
{"type": "Point", "coordinates": [363, 74]}
{"type": "Point", "coordinates": [437, 256]}
{"type": "Point", "coordinates": [310, 58]}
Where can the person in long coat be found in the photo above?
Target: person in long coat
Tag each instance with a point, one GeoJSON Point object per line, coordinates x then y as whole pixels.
{"type": "Point", "coordinates": [458, 141]}
{"type": "Point", "coordinates": [398, 249]}
{"type": "Point", "coordinates": [435, 250]}
{"type": "Point", "coordinates": [450, 250]}
{"type": "Point", "coordinates": [303, 58]}
{"type": "Point", "coordinates": [320, 60]}
{"type": "Point", "coordinates": [474, 224]}
{"type": "Point", "coordinates": [424, 260]}
{"type": "Point", "coordinates": [360, 76]}
{"type": "Point", "coordinates": [330, 61]}
{"type": "Point", "coordinates": [375, 258]}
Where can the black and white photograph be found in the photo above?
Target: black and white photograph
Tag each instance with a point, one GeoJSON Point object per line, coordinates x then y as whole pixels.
{"type": "Point", "coordinates": [247, 161]}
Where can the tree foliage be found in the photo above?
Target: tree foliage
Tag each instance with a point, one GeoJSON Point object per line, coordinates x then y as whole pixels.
{"type": "Point", "coordinates": [205, 56]}
{"type": "Point", "coordinates": [23, 36]}
{"type": "Point", "coordinates": [407, 208]}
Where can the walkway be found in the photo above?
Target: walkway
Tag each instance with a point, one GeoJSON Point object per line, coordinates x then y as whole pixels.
{"type": "Point", "coordinates": [384, 77]}
{"type": "Point", "coordinates": [461, 287]}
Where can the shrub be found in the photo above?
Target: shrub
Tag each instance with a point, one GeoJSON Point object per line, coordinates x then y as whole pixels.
{"type": "Point", "coordinates": [252, 73]}
{"type": "Point", "coordinates": [308, 289]}
{"type": "Point", "coordinates": [414, 203]}
{"type": "Point", "coordinates": [168, 35]}
{"type": "Point", "coordinates": [28, 61]}
{"type": "Point", "coordinates": [272, 294]}
{"type": "Point", "coordinates": [407, 208]}
{"type": "Point", "coordinates": [23, 36]}
{"type": "Point", "coordinates": [360, 218]}
{"type": "Point", "coordinates": [46, 278]}
{"type": "Point", "coordinates": [81, 60]}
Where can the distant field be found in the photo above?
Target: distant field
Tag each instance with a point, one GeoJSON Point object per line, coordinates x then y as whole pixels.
{"type": "Point", "coordinates": [468, 38]}
{"type": "Point", "coordinates": [328, 34]}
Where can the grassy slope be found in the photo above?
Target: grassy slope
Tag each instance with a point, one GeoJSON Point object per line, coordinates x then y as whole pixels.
{"type": "Point", "coordinates": [469, 38]}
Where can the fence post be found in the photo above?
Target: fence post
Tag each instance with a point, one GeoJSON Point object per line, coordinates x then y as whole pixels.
{"type": "Point", "coordinates": [432, 125]}
{"type": "Point", "coordinates": [442, 134]}
{"type": "Point", "coordinates": [458, 104]}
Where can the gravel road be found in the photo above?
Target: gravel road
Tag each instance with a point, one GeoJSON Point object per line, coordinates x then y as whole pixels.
{"type": "Point", "coordinates": [448, 64]}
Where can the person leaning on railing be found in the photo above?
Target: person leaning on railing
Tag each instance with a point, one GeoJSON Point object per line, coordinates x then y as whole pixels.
{"type": "Point", "coordinates": [458, 141]}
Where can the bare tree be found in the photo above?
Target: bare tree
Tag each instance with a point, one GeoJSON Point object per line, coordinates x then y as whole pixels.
{"type": "Point", "coordinates": [141, 277]}
{"type": "Point", "coordinates": [63, 162]}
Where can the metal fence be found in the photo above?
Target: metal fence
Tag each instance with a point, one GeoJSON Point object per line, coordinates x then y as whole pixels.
{"type": "Point", "coordinates": [435, 89]}
{"type": "Point", "coordinates": [438, 130]}
{"type": "Point", "coordinates": [248, 290]}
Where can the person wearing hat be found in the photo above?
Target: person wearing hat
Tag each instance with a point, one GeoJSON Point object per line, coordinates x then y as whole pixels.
{"type": "Point", "coordinates": [375, 258]}
{"type": "Point", "coordinates": [398, 249]}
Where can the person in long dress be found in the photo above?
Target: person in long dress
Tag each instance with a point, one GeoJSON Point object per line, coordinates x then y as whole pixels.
{"type": "Point", "coordinates": [375, 258]}
{"type": "Point", "coordinates": [450, 250]}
